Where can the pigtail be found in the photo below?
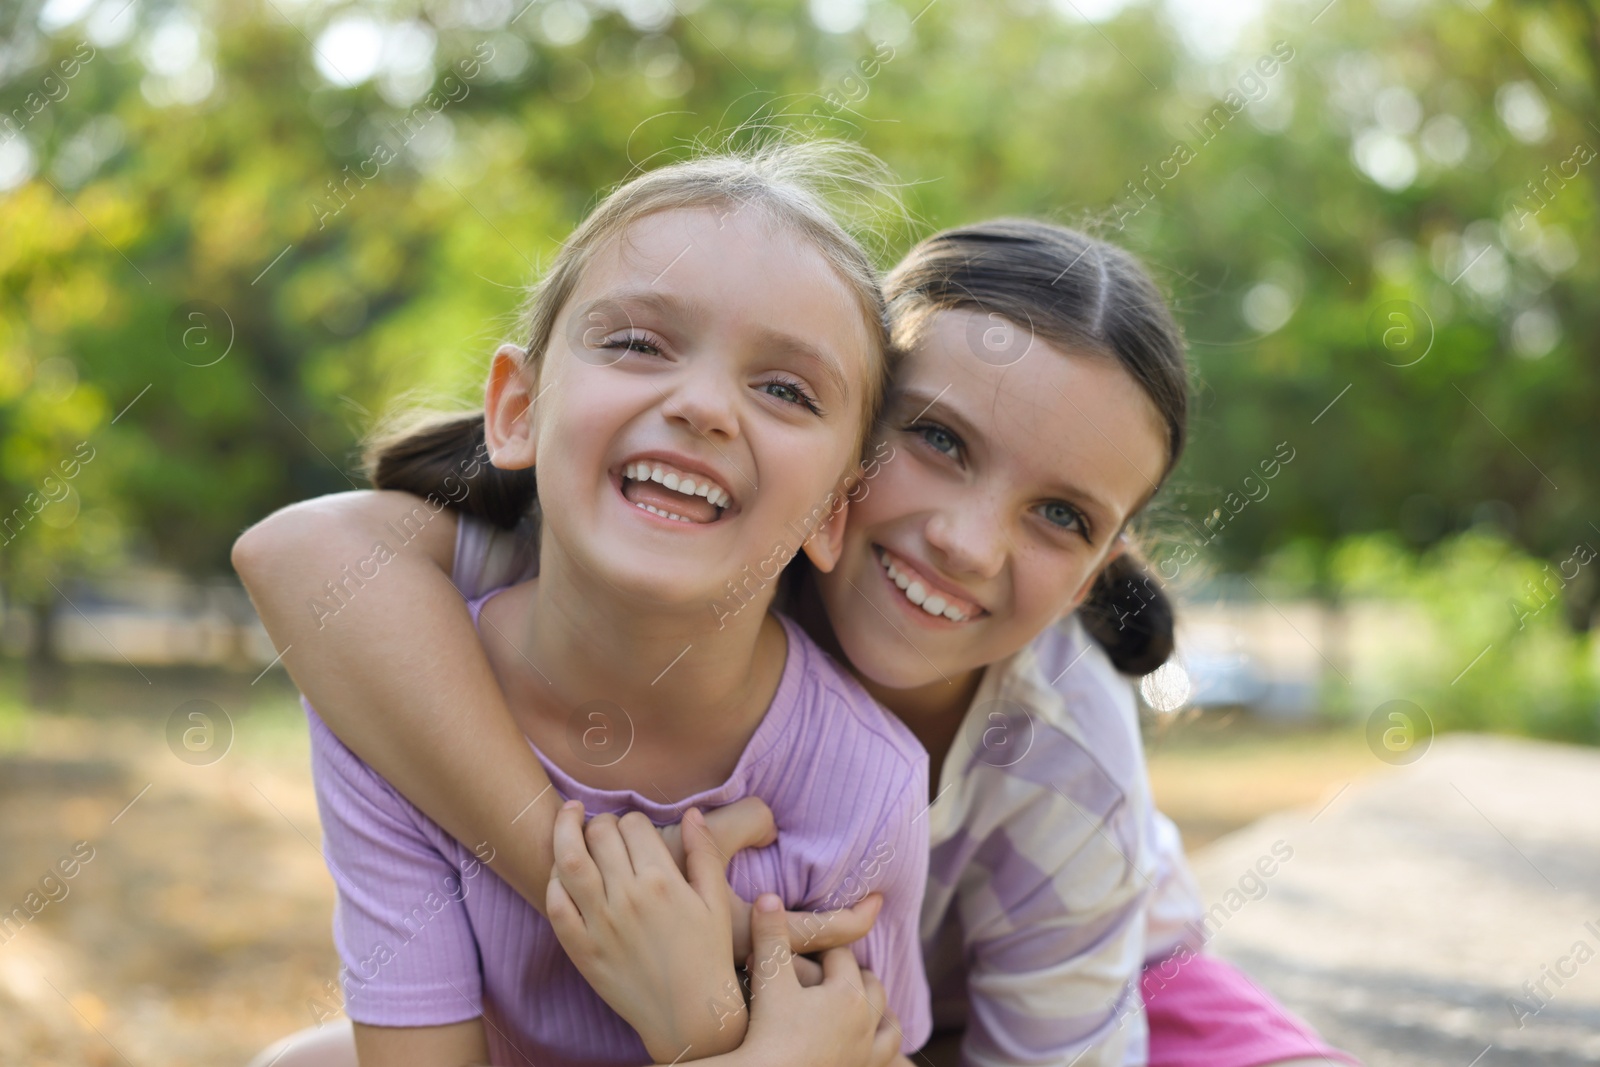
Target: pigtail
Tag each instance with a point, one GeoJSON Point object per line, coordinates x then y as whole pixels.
{"type": "Point", "coordinates": [443, 457]}
{"type": "Point", "coordinates": [1130, 615]}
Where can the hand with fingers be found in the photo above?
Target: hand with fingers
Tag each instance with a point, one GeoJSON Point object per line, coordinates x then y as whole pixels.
{"type": "Point", "coordinates": [657, 948]}
{"type": "Point", "coordinates": [748, 823]}
{"type": "Point", "coordinates": [843, 1021]}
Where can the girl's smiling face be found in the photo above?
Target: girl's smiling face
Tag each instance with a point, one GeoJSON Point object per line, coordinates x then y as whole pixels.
{"type": "Point", "coordinates": [716, 349]}
{"type": "Point", "coordinates": [1006, 494]}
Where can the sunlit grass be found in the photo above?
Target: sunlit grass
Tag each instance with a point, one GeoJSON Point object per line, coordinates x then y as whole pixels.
{"type": "Point", "coordinates": [1215, 774]}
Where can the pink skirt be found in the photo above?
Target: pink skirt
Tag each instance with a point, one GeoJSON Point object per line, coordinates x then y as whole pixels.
{"type": "Point", "coordinates": [1204, 1012]}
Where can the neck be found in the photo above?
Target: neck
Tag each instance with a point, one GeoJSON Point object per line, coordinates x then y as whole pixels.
{"type": "Point", "coordinates": [926, 706]}
{"type": "Point", "coordinates": [694, 687]}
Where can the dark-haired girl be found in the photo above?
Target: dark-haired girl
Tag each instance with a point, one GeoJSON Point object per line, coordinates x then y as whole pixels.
{"type": "Point", "coordinates": [986, 592]}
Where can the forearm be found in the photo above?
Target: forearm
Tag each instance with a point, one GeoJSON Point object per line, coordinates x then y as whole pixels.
{"type": "Point", "coordinates": [395, 668]}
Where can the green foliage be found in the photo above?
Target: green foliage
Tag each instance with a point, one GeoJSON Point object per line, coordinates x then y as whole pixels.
{"type": "Point", "coordinates": [1472, 630]}
{"type": "Point", "coordinates": [1386, 157]}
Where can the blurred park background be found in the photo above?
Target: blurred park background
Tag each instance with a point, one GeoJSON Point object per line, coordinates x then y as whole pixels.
{"type": "Point", "coordinates": [232, 235]}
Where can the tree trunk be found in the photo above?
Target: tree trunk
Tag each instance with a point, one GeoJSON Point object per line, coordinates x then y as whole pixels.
{"type": "Point", "coordinates": [46, 676]}
{"type": "Point", "coordinates": [1581, 598]}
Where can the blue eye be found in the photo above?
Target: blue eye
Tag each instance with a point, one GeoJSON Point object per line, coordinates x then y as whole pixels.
{"type": "Point", "coordinates": [1065, 516]}
{"type": "Point", "coordinates": [939, 438]}
{"type": "Point", "coordinates": [791, 393]}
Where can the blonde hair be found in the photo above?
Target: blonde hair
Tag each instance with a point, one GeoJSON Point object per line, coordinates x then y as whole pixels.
{"type": "Point", "coordinates": [821, 190]}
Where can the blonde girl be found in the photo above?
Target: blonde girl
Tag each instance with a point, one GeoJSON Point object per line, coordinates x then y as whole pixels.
{"type": "Point", "coordinates": [698, 373]}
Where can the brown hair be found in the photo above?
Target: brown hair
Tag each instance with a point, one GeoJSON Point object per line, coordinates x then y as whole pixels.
{"type": "Point", "coordinates": [1076, 292]}
{"type": "Point", "coordinates": [814, 188]}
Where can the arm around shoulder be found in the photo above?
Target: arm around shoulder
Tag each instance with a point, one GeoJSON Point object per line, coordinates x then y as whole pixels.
{"type": "Point", "coordinates": [325, 533]}
{"type": "Point", "coordinates": [355, 589]}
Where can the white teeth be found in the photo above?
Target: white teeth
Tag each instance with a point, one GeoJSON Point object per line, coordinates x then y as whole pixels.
{"type": "Point", "coordinates": [663, 514]}
{"type": "Point", "coordinates": [644, 472]}
{"type": "Point", "coordinates": [915, 592]}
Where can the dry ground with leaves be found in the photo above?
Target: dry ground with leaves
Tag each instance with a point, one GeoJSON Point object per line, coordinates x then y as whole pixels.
{"type": "Point", "coordinates": [198, 932]}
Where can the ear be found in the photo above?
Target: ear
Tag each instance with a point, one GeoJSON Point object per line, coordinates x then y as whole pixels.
{"type": "Point", "coordinates": [508, 410]}
{"type": "Point", "coordinates": [826, 543]}
{"type": "Point", "coordinates": [1118, 547]}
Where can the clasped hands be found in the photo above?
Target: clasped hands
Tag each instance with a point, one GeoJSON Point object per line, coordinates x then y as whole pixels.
{"type": "Point", "coordinates": [660, 947]}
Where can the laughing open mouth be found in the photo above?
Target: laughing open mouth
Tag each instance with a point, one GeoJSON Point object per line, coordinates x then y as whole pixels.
{"type": "Point", "coordinates": [672, 493]}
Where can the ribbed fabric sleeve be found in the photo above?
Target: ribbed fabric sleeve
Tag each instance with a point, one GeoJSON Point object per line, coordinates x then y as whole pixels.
{"type": "Point", "coordinates": [399, 924]}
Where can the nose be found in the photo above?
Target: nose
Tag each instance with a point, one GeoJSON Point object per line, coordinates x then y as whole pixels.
{"type": "Point", "coordinates": [704, 399]}
{"type": "Point", "coordinates": [968, 536]}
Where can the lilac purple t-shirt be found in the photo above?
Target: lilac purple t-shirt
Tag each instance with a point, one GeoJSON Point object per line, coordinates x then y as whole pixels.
{"type": "Point", "coordinates": [430, 936]}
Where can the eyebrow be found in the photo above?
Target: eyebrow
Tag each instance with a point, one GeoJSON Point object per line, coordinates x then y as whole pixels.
{"type": "Point", "coordinates": [804, 351]}
{"type": "Point", "coordinates": [926, 403]}
{"type": "Point", "coordinates": [646, 300]}
{"type": "Point", "coordinates": [788, 344]}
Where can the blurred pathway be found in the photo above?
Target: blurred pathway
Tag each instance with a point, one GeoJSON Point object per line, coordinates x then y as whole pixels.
{"type": "Point", "coordinates": [197, 930]}
{"type": "Point", "coordinates": [1418, 902]}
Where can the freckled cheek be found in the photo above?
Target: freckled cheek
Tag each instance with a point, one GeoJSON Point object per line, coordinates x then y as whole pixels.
{"type": "Point", "coordinates": [891, 492]}
{"type": "Point", "coordinates": [1043, 593]}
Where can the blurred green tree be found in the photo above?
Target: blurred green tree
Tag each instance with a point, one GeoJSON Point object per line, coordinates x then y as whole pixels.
{"type": "Point", "coordinates": [241, 231]}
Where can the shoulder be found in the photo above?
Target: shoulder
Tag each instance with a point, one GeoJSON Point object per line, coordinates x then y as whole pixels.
{"type": "Point", "coordinates": [1051, 743]}
{"type": "Point", "coordinates": [350, 791]}
{"type": "Point", "coordinates": [840, 714]}
{"type": "Point", "coordinates": [487, 556]}
{"type": "Point", "coordinates": [1083, 708]}
{"type": "Point", "coordinates": [328, 751]}
{"type": "Point", "coordinates": [1079, 670]}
